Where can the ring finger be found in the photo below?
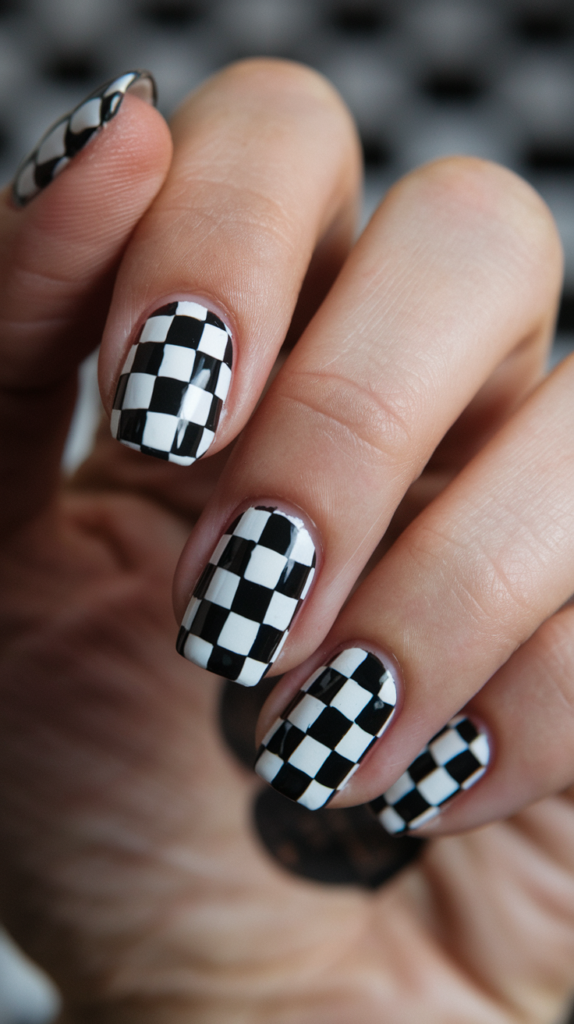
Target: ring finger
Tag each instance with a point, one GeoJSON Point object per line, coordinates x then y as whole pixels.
{"type": "Point", "coordinates": [463, 588]}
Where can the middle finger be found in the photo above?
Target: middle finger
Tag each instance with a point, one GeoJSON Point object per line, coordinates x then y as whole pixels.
{"type": "Point", "coordinates": [459, 267]}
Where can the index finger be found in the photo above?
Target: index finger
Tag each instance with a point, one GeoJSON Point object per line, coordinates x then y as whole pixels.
{"type": "Point", "coordinates": [266, 165]}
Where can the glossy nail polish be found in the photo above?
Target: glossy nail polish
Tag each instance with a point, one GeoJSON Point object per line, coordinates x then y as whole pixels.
{"type": "Point", "coordinates": [454, 760]}
{"type": "Point", "coordinates": [248, 595]}
{"type": "Point", "coordinates": [173, 384]}
{"type": "Point", "coordinates": [318, 742]}
{"type": "Point", "coordinates": [71, 133]}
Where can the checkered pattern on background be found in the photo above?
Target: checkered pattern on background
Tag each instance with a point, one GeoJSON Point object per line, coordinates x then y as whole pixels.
{"type": "Point", "coordinates": [318, 742]}
{"type": "Point", "coordinates": [493, 78]}
{"type": "Point", "coordinates": [69, 135]}
{"type": "Point", "coordinates": [454, 759]}
{"type": "Point", "coordinates": [173, 384]}
{"type": "Point", "coordinates": [248, 595]}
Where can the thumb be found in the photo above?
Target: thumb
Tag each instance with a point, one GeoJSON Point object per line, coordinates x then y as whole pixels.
{"type": "Point", "coordinates": [61, 239]}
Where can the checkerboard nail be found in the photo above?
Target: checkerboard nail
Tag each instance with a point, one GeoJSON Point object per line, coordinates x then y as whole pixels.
{"type": "Point", "coordinates": [453, 761]}
{"type": "Point", "coordinates": [174, 383]}
{"type": "Point", "coordinates": [313, 748]}
{"type": "Point", "coordinates": [248, 595]}
{"type": "Point", "coordinates": [71, 133]}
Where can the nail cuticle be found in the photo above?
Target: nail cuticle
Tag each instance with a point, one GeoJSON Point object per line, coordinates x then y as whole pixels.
{"type": "Point", "coordinates": [182, 294]}
{"type": "Point", "coordinates": [174, 383]}
{"type": "Point", "coordinates": [71, 134]}
{"type": "Point", "coordinates": [248, 595]}
{"type": "Point", "coordinates": [325, 732]}
{"type": "Point", "coordinates": [453, 761]}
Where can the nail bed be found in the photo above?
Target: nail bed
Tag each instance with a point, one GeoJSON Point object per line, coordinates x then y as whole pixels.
{"type": "Point", "coordinates": [453, 761]}
{"type": "Point", "coordinates": [318, 742]}
{"type": "Point", "coordinates": [248, 595]}
{"type": "Point", "coordinates": [173, 383]}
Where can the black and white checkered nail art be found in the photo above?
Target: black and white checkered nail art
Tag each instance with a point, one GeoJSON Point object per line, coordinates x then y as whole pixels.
{"type": "Point", "coordinates": [318, 742]}
{"type": "Point", "coordinates": [71, 133]}
{"type": "Point", "coordinates": [174, 383]}
{"type": "Point", "coordinates": [454, 760]}
{"type": "Point", "coordinates": [248, 595]}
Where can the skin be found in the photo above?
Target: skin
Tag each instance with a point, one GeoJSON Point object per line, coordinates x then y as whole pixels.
{"type": "Point", "coordinates": [129, 868]}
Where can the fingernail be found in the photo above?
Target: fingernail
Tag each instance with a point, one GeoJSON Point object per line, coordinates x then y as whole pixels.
{"type": "Point", "coordinates": [71, 133]}
{"type": "Point", "coordinates": [248, 595]}
{"type": "Point", "coordinates": [318, 742]}
{"type": "Point", "coordinates": [454, 760]}
{"type": "Point", "coordinates": [174, 383]}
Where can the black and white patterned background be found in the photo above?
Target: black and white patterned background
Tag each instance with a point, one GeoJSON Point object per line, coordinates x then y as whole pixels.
{"type": "Point", "coordinates": [423, 78]}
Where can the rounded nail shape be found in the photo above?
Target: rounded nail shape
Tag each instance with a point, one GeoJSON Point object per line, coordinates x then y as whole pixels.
{"type": "Point", "coordinates": [173, 384]}
{"type": "Point", "coordinates": [317, 743]}
{"type": "Point", "coordinates": [248, 595]}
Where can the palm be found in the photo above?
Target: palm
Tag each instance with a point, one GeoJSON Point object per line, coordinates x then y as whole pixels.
{"type": "Point", "coordinates": [131, 870]}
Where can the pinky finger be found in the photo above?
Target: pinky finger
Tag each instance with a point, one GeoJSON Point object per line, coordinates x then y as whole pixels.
{"type": "Point", "coordinates": [512, 745]}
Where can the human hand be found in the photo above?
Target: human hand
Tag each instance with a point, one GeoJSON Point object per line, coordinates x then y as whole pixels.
{"type": "Point", "coordinates": [129, 865]}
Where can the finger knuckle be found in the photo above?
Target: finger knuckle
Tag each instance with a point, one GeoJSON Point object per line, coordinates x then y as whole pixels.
{"type": "Point", "coordinates": [492, 589]}
{"type": "Point", "coordinates": [360, 421]}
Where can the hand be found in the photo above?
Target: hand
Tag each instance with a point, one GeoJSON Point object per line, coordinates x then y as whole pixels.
{"type": "Point", "coordinates": [129, 867]}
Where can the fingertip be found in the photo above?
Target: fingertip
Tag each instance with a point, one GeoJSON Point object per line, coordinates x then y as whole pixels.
{"type": "Point", "coordinates": [103, 189]}
{"type": "Point", "coordinates": [110, 182]}
{"type": "Point", "coordinates": [59, 250]}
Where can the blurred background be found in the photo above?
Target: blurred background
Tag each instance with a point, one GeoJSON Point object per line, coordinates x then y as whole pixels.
{"type": "Point", "coordinates": [424, 78]}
